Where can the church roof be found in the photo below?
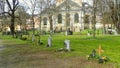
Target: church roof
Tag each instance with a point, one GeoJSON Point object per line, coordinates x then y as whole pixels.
{"type": "Point", "coordinates": [65, 4]}
{"type": "Point", "coordinates": [69, 3]}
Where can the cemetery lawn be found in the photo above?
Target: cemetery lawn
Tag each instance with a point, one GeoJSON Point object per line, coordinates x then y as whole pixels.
{"type": "Point", "coordinates": [25, 54]}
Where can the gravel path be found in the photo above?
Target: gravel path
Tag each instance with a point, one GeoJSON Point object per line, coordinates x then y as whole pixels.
{"type": "Point", "coordinates": [1, 46]}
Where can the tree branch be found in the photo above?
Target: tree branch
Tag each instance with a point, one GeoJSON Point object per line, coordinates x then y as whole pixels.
{"type": "Point", "coordinates": [9, 4]}
{"type": "Point", "coordinates": [16, 4]}
{"type": "Point", "coordinates": [5, 13]}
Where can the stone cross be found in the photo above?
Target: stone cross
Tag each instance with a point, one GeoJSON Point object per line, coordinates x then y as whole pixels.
{"type": "Point", "coordinates": [99, 50]}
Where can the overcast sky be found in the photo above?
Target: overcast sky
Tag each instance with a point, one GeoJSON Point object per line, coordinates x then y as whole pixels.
{"type": "Point", "coordinates": [29, 4]}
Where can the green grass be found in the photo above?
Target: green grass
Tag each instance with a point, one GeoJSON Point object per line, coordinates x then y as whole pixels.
{"type": "Point", "coordinates": [82, 46]}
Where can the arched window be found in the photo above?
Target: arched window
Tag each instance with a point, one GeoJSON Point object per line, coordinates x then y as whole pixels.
{"type": "Point", "coordinates": [44, 21]}
{"type": "Point", "coordinates": [76, 18]}
{"type": "Point", "coordinates": [68, 19]}
{"type": "Point", "coordinates": [59, 18]}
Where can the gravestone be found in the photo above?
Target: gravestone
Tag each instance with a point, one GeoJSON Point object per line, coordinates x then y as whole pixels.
{"type": "Point", "coordinates": [67, 45]}
{"type": "Point", "coordinates": [109, 30]}
{"type": "Point", "coordinates": [49, 42]}
{"type": "Point", "coordinates": [69, 32]}
{"type": "Point", "coordinates": [88, 34]}
{"type": "Point", "coordinates": [115, 32]}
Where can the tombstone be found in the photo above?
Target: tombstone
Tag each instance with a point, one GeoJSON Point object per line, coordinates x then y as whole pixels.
{"type": "Point", "coordinates": [49, 42]}
{"type": "Point", "coordinates": [66, 33]}
{"type": "Point", "coordinates": [69, 32]}
{"type": "Point", "coordinates": [115, 32]}
{"type": "Point", "coordinates": [109, 30]}
{"type": "Point", "coordinates": [67, 45]}
{"type": "Point", "coordinates": [88, 34]}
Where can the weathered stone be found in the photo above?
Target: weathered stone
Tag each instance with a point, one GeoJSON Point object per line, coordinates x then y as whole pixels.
{"type": "Point", "coordinates": [67, 45]}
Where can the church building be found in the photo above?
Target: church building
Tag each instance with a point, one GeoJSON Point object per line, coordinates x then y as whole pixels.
{"type": "Point", "coordinates": [66, 14]}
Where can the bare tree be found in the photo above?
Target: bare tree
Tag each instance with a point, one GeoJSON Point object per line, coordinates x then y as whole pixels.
{"type": "Point", "coordinates": [94, 18]}
{"type": "Point", "coordinates": [22, 16]}
{"type": "Point", "coordinates": [51, 7]}
{"type": "Point", "coordinates": [115, 13]}
{"type": "Point", "coordinates": [35, 7]}
{"type": "Point", "coordinates": [32, 5]}
{"type": "Point", "coordinates": [86, 21]}
{"type": "Point", "coordinates": [12, 7]}
{"type": "Point", "coordinates": [41, 5]}
{"type": "Point", "coordinates": [110, 11]}
{"type": "Point", "coordinates": [2, 16]}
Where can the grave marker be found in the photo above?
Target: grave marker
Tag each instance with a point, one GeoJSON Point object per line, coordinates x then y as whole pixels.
{"type": "Point", "coordinates": [49, 42]}
{"type": "Point", "coordinates": [99, 50]}
{"type": "Point", "coordinates": [67, 45]}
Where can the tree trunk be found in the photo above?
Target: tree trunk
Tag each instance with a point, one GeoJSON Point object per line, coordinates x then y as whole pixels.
{"type": "Point", "coordinates": [118, 28]}
{"type": "Point", "coordinates": [51, 26]}
{"type": "Point", "coordinates": [12, 27]}
{"type": "Point", "coordinates": [33, 36]}
{"type": "Point", "coordinates": [94, 23]}
{"type": "Point", "coordinates": [39, 38]}
{"type": "Point", "coordinates": [94, 19]}
{"type": "Point", "coordinates": [104, 30]}
{"type": "Point", "coordinates": [94, 31]}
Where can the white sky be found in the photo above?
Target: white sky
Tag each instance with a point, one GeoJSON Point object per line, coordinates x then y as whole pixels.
{"type": "Point", "coordinates": [29, 5]}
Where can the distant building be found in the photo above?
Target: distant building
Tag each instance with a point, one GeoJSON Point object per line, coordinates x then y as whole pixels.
{"type": "Point", "coordinates": [67, 14]}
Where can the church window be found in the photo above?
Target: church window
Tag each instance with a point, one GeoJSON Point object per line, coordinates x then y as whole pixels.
{"type": "Point", "coordinates": [59, 18]}
{"type": "Point", "coordinates": [45, 21]}
{"type": "Point", "coordinates": [76, 18]}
